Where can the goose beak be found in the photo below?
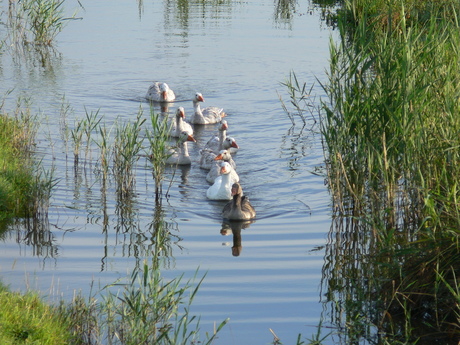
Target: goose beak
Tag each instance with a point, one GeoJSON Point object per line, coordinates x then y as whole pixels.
{"type": "Point", "coordinates": [200, 98]}
{"type": "Point", "coordinates": [163, 94]}
{"type": "Point", "coordinates": [219, 157]}
{"type": "Point", "coordinates": [191, 138]}
{"type": "Point", "coordinates": [235, 145]}
{"type": "Point", "coordinates": [223, 170]}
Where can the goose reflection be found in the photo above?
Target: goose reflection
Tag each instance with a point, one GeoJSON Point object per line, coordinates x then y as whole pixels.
{"type": "Point", "coordinates": [234, 227]}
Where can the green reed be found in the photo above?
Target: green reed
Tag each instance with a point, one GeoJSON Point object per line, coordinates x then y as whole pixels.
{"type": "Point", "coordinates": [391, 134]}
{"type": "Point", "coordinates": [157, 152]}
{"type": "Point", "coordinates": [300, 99]}
{"type": "Point", "coordinates": [43, 19]}
{"type": "Point", "coordinates": [144, 309]}
{"type": "Point", "coordinates": [105, 148]}
{"type": "Point", "coordinates": [127, 145]}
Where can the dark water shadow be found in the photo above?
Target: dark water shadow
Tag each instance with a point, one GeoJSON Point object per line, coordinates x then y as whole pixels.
{"type": "Point", "coordinates": [235, 228]}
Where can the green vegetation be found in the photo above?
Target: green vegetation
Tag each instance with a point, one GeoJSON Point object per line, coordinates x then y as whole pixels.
{"type": "Point", "coordinates": [158, 152]}
{"type": "Point", "coordinates": [26, 319]}
{"type": "Point", "coordinates": [146, 309]}
{"type": "Point", "coordinates": [24, 190]}
{"type": "Point", "coordinates": [36, 21]}
{"type": "Point", "coordinates": [391, 131]}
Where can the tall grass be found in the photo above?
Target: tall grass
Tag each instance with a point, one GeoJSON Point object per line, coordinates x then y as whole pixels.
{"type": "Point", "coordinates": [157, 152]}
{"type": "Point", "coordinates": [145, 309]}
{"type": "Point", "coordinates": [127, 145]}
{"type": "Point", "coordinates": [36, 21]}
{"type": "Point", "coordinates": [24, 188]}
{"type": "Point", "coordinates": [391, 140]}
{"type": "Point", "coordinates": [26, 319]}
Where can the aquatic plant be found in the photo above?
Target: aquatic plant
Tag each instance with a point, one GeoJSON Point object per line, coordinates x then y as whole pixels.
{"type": "Point", "coordinates": [127, 145]}
{"type": "Point", "coordinates": [157, 151]}
{"type": "Point", "coordinates": [105, 150]}
{"type": "Point", "coordinates": [390, 130]}
{"type": "Point", "coordinates": [146, 309]}
{"type": "Point", "coordinates": [43, 19]}
{"type": "Point", "coordinates": [77, 136]}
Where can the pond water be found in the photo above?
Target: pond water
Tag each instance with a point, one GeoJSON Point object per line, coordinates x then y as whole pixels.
{"type": "Point", "coordinates": [235, 54]}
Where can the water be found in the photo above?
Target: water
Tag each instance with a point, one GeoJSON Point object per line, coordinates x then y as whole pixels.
{"type": "Point", "coordinates": [236, 54]}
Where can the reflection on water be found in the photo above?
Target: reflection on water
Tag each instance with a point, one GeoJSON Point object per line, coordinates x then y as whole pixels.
{"type": "Point", "coordinates": [234, 228]}
{"type": "Point", "coordinates": [285, 10]}
{"type": "Point", "coordinates": [35, 233]}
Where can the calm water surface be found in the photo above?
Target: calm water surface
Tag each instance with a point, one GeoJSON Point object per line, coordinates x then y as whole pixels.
{"type": "Point", "coordinates": [236, 54]}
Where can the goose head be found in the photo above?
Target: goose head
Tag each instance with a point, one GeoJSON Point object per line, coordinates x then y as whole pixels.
{"type": "Point", "coordinates": [236, 189]}
{"type": "Point", "coordinates": [180, 113]}
{"type": "Point", "coordinates": [223, 125]}
{"type": "Point", "coordinates": [184, 136]}
{"type": "Point", "coordinates": [164, 90]}
{"type": "Point", "coordinates": [230, 142]}
{"type": "Point", "coordinates": [198, 97]}
{"type": "Point", "coordinates": [225, 168]}
{"type": "Point", "coordinates": [223, 155]}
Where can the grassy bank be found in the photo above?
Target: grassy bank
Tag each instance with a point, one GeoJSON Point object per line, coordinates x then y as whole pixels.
{"type": "Point", "coordinates": [25, 319]}
{"type": "Point", "coordinates": [23, 188]}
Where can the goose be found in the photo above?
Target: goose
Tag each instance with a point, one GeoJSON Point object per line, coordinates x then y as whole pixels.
{"type": "Point", "coordinates": [215, 143]}
{"type": "Point", "coordinates": [224, 156]}
{"type": "Point", "coordinates": [160, 92]}
{"type": "Point", "coordinates": [239, 208]}
{"type": "Point", "coordinates": [180, 155]}
{"type": "Point", "coordinates": [180, 125]}
{"type": "Point", "coordinates": [208, 156]}
{"type": "Point", "coordinates": [207, 115]}
{"type": "Point", "coordinates": [221, 189]}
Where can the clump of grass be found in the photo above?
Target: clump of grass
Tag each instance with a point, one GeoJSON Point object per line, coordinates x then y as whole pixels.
{"type": "Point", "coordinates": [146, 309]}
{"type": "Point", "coordinates": [26, 319]}
{"type": "Point", "coordinates": [127, 145]}
{"type": "Point", "coordinates": [85, 127]}
{"type": "Point", "coordinates": [147, 306]}
{"type": "Point", "coordinates": [105, 152]}
{"type": "Point", "coordinates": [300, 99]}
{"type": "Point", "coordinates": [157, 152]}
{"type": "Point", "coordinates": [42, 19]}
{"type": "Point", "coordinates": [77, 137]}
{"type": "Point", "coordinates": [391, 135]}
{"type": "Point", "coordinates": [22, 187]}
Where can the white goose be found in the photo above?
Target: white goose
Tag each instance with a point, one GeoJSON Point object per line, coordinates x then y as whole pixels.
{"type": "Point", "coordinates": [208, 156]}
{"type": "Point", "coordinates": [223, 156]}
{"type": "Point", "coordinates": [180, 155]}
{"type": "Point", "coordinates": [207, 115]}
{"type": "Point", "coordinates": [160, 92]}
{"type": "Point", "coordinates": [215, 143]}
{"type": "Point", "coordinates": [180, 125]}
{"type": "Point", "coordinates": [221, 189]}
